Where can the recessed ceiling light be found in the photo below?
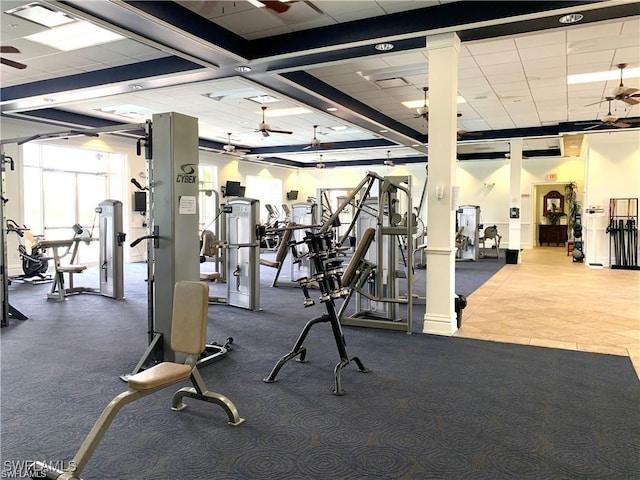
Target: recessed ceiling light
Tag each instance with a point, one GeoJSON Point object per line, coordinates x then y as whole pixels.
{"type": "Point", "coordinates": [384, 47]}
{"type": "Point", "coordinates": [338, 128]}
{"type": "Point", "coordinates": [243, 68]}
{"type": "Point", "coordinates": [73, 36]}
{"type": "Point", "coordinates": [571, 18]}
{"type": "Point", "coordinates": [383, 131]}
{"type": "Point", "coordinates": [135, 87]}
{"type": "Point", "coordinates": [332, 109]}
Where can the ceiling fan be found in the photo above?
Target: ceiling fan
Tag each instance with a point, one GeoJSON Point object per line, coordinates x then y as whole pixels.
{"type": "Point", "coordinates": [231, 149]}
{"type": "Point", "coordinates": [608, 120]}
{"type": "Point", "coordinates": [11, 63]}
{"type": "Point", "coordinates": [266, 129]}
{"type": "Point", "coordinates": [315, 143]}
{"type": "Point", "coordinates": [423, 111]}
{"type": "Point", "coordinates": [627, 95]}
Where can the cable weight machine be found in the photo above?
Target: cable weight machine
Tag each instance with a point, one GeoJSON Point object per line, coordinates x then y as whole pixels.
{"type": "Point", "coordinates": [327, 266]}
{"type": "Point", "coordinates": [623, 233]}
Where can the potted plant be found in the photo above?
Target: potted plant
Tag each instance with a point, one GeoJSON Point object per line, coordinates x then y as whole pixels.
{"type": "Point", "coordinates": [571, 197]}
{"type": "Point", "coordinates": [554, 215]}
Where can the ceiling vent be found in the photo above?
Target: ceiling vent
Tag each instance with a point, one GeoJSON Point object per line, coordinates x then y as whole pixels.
{"type": "Point", "coordinates": [391, 82]}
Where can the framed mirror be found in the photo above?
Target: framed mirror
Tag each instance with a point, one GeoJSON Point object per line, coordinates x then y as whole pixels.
{"type": "Point", "coordinates": [553, 201]}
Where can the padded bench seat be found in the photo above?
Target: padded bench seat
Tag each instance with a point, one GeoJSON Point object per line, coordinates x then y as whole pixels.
{"type": "Point", "coordinates": [164, 373]}
{"type": "Point", "coordinates": [71, 268]}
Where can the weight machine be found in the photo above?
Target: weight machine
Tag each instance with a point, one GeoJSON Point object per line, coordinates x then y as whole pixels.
{"type": "Point", "coordinates": [322, 252]}
{"type": "Point", "coordinates": [8, 310]}
{"type": "Point", "coordinates": [171, 151]}
{"type": "Point", "coordinates": [111, 263]}
{"type": "Point", "coordinates": [378, 299]}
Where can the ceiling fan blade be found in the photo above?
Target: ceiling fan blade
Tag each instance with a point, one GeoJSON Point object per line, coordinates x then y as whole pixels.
{"type": "Point", "coordinates": [276, 6]}
{"type": "Point", "coordinates": [630, 100]}
{"type": "Point", "coordinates": [596, 103]}
{"type": "Point", "coordinates": [11, 63]}
{"type": "Point", "coordinates": [594, 126]}
{"type": "Point", "coordinates": [619, 124]}
{"type": "Point", "coordinates": [8, 49]}
{"type": "Point", "coordinates": [265, 133]}
{"type": "Point", "coordinates": [280, 131]}
{"type": "Point", "coordinates": [628, 91]}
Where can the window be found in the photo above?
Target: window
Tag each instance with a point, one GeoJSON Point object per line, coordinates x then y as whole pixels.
{"type": "Point", "coordinates": [63, 186]}
{"type": "Point", "coordinates": [268, 191]}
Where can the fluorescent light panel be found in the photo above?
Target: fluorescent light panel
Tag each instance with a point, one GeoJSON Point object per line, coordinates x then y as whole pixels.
{"type": "Point", "coordinates": [73, 36]}
{"type": "Point", "coordinates": [420, 103]}
{"type": "Point", "coordinates": [36, 13]}
{"type": "Point", "coordinates": [283, 112]}
{"type": "Point", "coordinates": [262, 99]}
{"type": "Point", "coordinates": [602, 76]}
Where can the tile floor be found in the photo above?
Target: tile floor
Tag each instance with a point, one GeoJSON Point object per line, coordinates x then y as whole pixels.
{"type": "Point", "coordinates": [549, 301]}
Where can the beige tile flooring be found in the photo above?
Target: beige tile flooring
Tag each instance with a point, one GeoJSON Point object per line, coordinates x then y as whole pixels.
{"type": "Point", "coordinates": [549, 301]}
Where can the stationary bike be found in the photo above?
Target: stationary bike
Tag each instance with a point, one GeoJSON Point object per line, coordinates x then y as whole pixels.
{"type": "Point", "coordinates": [34, 262]}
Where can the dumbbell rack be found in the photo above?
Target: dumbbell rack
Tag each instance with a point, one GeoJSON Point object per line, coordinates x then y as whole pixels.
{"type": "Point", "coordinates": [623, 233]}
{"type": "Point", "coordinates": [328, 267]}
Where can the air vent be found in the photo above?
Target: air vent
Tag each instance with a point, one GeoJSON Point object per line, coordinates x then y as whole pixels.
{"type": "Point", "coordinates": [391, 82]}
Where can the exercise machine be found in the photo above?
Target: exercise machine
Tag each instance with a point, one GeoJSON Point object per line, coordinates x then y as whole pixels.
{"type": "Point", "coordinates": [171, 152]}
{"type": "Point", "coordinates": [243, 253]}
{"type": "Point", "coordinates": [328, 267]}
{"type": "Point", "coordinates": [378, 301]}
{"type": "Point", "coordinates": [302, 213]}
{"type": "Point", "coordinates": [468, 232]}
{"type": "Point", "coordinates": [8, 310]}
{"type": "Point", "coordinates": [34, 262]}
{"type": "Point", "coordinates": [188, 336]}
{"type": "Point", "coordinates": [111, 263]}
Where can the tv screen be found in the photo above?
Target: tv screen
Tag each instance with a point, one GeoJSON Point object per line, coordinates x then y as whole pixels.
{"type": "Point", "coordinates": [292, 195]}
{"type": "Point", "coordinates": [232, 189]}
{"type": "Point", "coordinates": [140, 202]}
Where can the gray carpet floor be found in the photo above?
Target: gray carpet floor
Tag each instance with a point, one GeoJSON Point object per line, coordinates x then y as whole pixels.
{"type": "Point", "coordinates": [430, 407]}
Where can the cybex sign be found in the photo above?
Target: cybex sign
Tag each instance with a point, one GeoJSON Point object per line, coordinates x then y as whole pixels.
{"type": "Point", "coordinates": [188, 173]}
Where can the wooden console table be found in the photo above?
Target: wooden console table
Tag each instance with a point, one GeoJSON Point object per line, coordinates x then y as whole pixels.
{"type": "Point", "coordinates": [552, 234]}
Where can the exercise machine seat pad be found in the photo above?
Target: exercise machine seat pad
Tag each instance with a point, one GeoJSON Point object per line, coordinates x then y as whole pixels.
{"type": "Point", "coordinates": [189, 321]}
{"type": "Point", "coordinates": [164, 373]}
{"type": "Point", "coordinates": [363, 246]}
{"type": "Point", "coordinates": [71, 268]}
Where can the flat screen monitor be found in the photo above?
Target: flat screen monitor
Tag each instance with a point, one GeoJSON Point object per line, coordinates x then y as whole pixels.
{"type": "Point", "coordinates": [292, 195]}
{"type": "Point", "coordinates": [140, 202]}
{"type": "Point", "coordinates": [232, 189]}
{"type": "Point", "coordinates": [241, 191]}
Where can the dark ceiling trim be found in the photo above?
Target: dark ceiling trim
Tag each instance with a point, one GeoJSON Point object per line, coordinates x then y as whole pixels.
{"type": "Point", "coordinates": [172, 14]}
{"type": "Point", "coordinates": [546, 23]}
{"type": "Point", "coordinates": [412, 22]}
{"type": "Point", "coordinates": [305, 82]}
{"type": "Point", "coordinates": [111, 75]}
{"type": "Point", "coordinates": [305, 61]}
{"type": "Point", "coordinates": [350, 144]}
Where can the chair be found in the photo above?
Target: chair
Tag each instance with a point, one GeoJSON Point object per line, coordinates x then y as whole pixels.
{"type": "Point", "coordinates": [188, 336]}
{"type": "Point", "coordinates": [490, 233]}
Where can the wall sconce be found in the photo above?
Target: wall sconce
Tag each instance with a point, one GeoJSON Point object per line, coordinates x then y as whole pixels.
{"type": "Point", "coordinates": [440, 191]}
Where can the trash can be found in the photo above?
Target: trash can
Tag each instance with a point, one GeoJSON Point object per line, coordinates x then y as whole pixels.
{"type": "Point", "coordinates": [460, 303]}
{"type": "Point", "coordinates": [512, 257]}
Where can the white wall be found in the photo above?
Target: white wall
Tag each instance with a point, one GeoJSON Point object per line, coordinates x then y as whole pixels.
{"type": "Point", "coordinates": [612, 171]}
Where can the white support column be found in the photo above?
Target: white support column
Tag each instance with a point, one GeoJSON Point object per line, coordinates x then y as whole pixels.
{"type": "Point", "coordinates": [443, 51]}
{"type": "Point", "coordinates": [515, 173]}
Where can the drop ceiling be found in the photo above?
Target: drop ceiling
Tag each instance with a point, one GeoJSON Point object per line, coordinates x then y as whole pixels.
{"type": "Point", "coordinates": [182, 56]}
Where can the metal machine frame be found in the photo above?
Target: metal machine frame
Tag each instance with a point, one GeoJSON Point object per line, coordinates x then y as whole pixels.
{"type": "Point", "coordinates": [379, 298]}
